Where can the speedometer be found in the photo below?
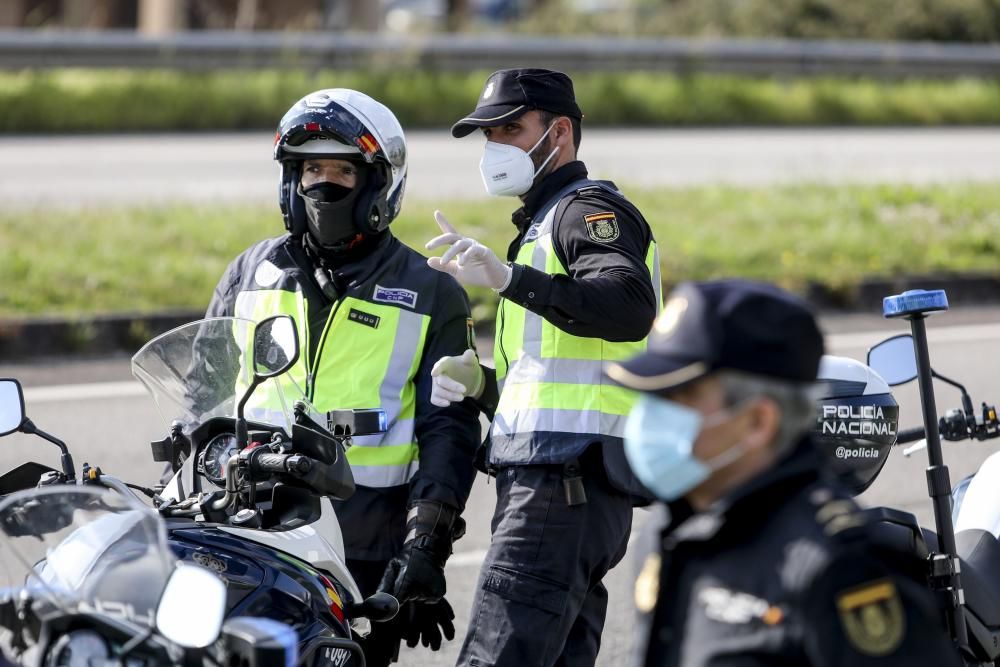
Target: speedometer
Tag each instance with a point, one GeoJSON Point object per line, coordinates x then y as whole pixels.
{"type": "Point", "coordinates": [217, 454]}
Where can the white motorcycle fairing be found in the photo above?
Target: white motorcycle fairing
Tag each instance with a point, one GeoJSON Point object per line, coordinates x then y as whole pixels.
{"type": "Point", "coordinates": [980, 506]}
{"type": "Point", "coordinates": [321, 543]}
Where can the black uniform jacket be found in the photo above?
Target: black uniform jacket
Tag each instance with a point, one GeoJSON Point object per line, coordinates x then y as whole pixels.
{"type": "Point", "coordinates": [373, 519]}
{"type": "Point", "coordinates": [782, 572]}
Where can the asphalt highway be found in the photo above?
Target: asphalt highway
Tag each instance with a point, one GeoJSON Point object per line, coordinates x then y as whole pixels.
{"type": "Point", "coordinates": [107, 420]}
{"type": "Point", "coordinates": [147, 169]}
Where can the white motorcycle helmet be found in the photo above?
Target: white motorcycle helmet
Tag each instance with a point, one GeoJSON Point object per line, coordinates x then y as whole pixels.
{"type": "Point", "coordinates": [856, 420]}
{"type": "Point", "coordinates": [344, 124]}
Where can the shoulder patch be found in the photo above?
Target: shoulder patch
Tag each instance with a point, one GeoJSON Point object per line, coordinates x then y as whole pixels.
{"type": "Point", "coordinates": [267, 274]}
{"type": "Point", "coordinates": [602, 227]}
{"type": "Point", "coordinates": [647, 585]}
{"type": "Point", "coordinates": [737, 608]}
{"type": "Point", "coordinates": [397, 296]}
{"type": "Point", "coordinates": [872, 617]}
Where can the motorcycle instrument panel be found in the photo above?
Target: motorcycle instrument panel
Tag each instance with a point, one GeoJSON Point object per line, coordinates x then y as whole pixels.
{"type": "Point", "coordinates": [217, 454]}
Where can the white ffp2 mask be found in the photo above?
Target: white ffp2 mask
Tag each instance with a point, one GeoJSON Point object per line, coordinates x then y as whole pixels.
{"type": "Point", "coordinates": [507, 170]}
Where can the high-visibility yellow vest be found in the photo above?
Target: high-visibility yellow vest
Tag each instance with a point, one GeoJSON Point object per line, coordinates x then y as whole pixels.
{"type": "Point", "coordinates": [554, 398]}
{"type": "Point", "coordinates": [356, 365]}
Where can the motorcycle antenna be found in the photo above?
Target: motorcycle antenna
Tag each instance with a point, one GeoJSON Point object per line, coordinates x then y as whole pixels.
{"type": "Point", "coordinates": [914, 306]}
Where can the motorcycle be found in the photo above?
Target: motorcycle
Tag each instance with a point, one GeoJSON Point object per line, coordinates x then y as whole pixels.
{"type": "Point", "coordinates": [253, 474]}
{"type": "Point", "coordinates": [89, 580]}
{"type": "Point", "coordinates": [963, 554]}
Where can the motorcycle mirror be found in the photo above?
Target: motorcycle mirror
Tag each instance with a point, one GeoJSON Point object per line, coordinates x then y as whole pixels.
{"type": "Point", "coordinates": [12, 418]}
{"type": "Point", "coordinates": [11, 406]}
{"type": "Point", "coordinates": [275, 346]}
{"type": "Point", "coordinates": [379, 608]}
{"type": "Point", "coordinates": [894, 360]}
{"type": "Point", "coordinates": [192, 607]}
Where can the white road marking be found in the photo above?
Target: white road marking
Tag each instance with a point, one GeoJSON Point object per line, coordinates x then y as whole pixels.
{"type": "Point", "coordinates": [467, 558]}
{"type": "Point", "coordinates": [850, 341]}
{"type": "Point", "coordinates": [83, 392]}
{"type": "Point", "coordinates": [956, 334]}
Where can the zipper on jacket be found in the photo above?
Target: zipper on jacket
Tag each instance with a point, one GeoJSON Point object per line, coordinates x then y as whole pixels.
{"type": "Point", "coordinates": [503, 352]}
{"type": "Point", "coordinates": [310, 378]}
{"type": "Point", "coordinates": [305, 357]}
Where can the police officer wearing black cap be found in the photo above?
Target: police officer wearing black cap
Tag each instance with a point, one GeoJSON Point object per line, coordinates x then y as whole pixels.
{"type": "Point", "coordinates": [580, 287]}
{"type": "Point", "coordinates": [761, 559]}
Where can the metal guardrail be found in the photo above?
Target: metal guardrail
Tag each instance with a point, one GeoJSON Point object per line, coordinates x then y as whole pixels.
{"type": "Point", "coordinates": [233, 50]}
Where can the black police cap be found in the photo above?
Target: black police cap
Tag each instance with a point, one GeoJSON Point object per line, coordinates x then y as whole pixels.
{"type": "Point", "coordinates": [738, 325]}
{"type": "Point", "coordinates": [510, 93]}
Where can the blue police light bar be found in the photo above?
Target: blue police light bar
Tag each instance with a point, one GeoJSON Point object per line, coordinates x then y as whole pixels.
{"type": "Point", "coordinates": [914, 302]}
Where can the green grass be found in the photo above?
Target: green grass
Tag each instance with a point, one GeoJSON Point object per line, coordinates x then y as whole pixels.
{"type": "Point", "coordinates": [70, 100]}
{"type": "Point", "coordinates": [93, 261]}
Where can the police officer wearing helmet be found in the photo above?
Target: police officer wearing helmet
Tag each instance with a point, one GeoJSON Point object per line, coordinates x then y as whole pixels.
{"type": "Point", "coordinates": [761, 559]}
{"type": "Point", "coordinates": [372, 319]}
{"type": "Point", "coordinates": [580, 286]}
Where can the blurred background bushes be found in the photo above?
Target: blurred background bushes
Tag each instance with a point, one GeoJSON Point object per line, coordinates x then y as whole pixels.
{"type": "Point", "coordinates": [72, 100]}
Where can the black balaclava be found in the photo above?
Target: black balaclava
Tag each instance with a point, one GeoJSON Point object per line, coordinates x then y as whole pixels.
{"type": "Point", "coordinates": [332, 233]}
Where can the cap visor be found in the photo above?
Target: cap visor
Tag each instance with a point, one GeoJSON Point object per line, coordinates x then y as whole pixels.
{"type": "Point", "coordinates": [651, 372]}
{"type": "Point", "coordinates": [491, 116]}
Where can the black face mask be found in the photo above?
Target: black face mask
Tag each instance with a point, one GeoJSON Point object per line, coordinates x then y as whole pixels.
{"type": "Point", "coordinates": [330, 212]}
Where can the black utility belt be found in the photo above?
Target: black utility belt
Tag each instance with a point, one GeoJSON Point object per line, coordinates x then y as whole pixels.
{"type": "Point", "coordinates": [572, 479]}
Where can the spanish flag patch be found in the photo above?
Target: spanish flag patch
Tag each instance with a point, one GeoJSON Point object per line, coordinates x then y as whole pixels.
{"type": "Point", "coordinates": [602, 227]}
{"type": "Point", "coordinates": [367, 143]}
{"type": "Point", "coordinates": [873, 618]}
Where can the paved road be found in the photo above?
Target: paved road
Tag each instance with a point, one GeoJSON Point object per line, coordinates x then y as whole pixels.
{"type": "Point", "coordinates": [109, 422]}
{"type": "Point", "coordinates": [138, 170]}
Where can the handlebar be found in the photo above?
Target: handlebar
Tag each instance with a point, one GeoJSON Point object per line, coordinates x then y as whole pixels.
{"type": "Point", "coordinates": [910, 435]}
{"type": "Point", "coordinates": [957, 425]}
{"type": "Point", "coordinates": [269, 462]}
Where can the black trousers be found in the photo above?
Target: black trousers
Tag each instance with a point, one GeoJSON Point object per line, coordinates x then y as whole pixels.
{"type": "Point", "coordinates": [381, 646]}
{"type": "Point", "coordinates": [540, 600]}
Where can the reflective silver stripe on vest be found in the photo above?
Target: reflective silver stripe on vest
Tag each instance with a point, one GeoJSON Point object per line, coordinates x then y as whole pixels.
{"type": "Point", "coordinates": [245, 304]}
{"type": "Point", "coordinates": [657, 280]}
{"type": "Point", "coordinates": [564, 371]}
{"type": "Point", "coordinates": [383, 476]}
{"type": "Point", "coordinates": [398, 433]}
{"type": "Point", "coordinates": [533, 323]}
{"type": "Point", "coordinates": [537, 420]}
{"type": "Point", "coordinates": [405, 349]}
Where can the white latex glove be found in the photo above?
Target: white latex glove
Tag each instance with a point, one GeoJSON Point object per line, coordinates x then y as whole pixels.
{"type": "Point", "coordinates": [454, 378]}
{"type": "Point", "coordinates": [467, 259]}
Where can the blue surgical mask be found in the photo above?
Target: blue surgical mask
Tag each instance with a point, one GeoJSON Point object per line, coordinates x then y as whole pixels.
{"type": "Point", "coordinates": [659, 446]}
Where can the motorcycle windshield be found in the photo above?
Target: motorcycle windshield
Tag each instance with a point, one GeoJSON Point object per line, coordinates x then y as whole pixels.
{"type": "Point", "coordinates": [200, 370]}
{"type": "Point", "coordinates": [86, 549]}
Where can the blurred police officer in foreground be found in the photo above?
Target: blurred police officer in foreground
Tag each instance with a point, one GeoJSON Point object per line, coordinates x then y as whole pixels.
{"type": "Point", "coordinates": [764, 560]}
{"type": "Point", "coordinates": [373, 319]}
{"type": "Point", "coordinates": [580, 286]}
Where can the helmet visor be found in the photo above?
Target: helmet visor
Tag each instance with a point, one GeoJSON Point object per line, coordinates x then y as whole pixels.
{"type": "Point", "coordinates": [328, 131]}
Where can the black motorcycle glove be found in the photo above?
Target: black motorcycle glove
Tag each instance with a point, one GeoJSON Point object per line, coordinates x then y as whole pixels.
{"type": "Point", "coordinates": [416, 573]}
{"type": "Point", "coordinates": [426, 622]}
